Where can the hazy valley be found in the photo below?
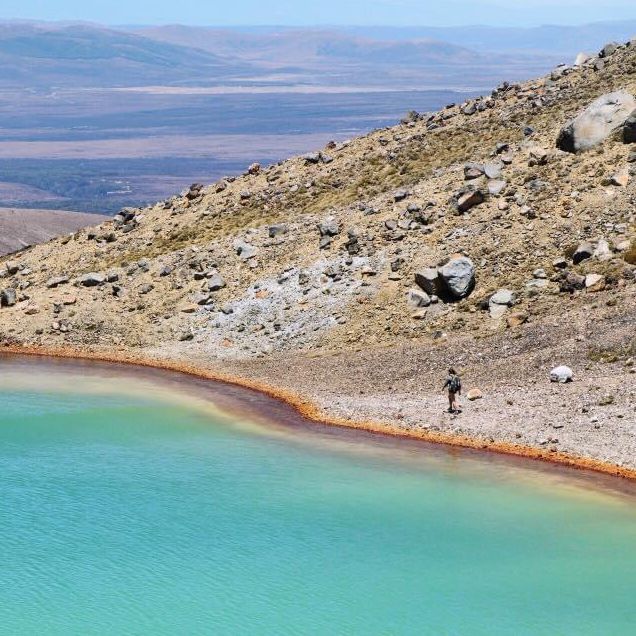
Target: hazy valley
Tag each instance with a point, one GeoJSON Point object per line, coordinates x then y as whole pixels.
{"type": "Point", "coordinates": [94, 118]}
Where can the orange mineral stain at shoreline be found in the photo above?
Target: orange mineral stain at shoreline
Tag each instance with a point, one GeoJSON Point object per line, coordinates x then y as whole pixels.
{"type": "Point", "coordinates": [312, 413]}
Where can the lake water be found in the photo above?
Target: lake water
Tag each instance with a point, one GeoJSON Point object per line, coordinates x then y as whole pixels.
{"type": "Point", "coordinates": [148, 504]}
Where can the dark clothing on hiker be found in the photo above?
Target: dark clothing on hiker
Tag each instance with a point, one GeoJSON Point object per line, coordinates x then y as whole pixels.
{"type": "Point", "coordinates": [454, 385]}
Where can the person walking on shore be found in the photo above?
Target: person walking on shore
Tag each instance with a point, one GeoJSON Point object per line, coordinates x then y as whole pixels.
{"type": "Point", "coordinates": [454, 385]}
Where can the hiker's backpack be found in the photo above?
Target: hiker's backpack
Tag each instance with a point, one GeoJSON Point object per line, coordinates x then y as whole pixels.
{"type": "Point", "coordinates": [455, 384]}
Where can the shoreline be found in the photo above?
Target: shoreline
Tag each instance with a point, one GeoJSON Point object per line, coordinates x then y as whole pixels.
{"type": "Point", "coordinates": [312, 413]}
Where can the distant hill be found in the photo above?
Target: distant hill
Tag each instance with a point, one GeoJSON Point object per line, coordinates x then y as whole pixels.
{"type": "Point", "coordinates": [303, 46]}
{"type": "Point", "coordinates": [547, 39]}
{"type": "Point", "coordinates": [45, 55]}
{"type": "Point", "coordinates": [19, 228]}
{"type": "Point", "coordinates": [354, 57]}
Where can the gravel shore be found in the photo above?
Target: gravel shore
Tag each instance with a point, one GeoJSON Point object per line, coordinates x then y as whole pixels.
{"type": "Point", "coordinates": [400, 387]}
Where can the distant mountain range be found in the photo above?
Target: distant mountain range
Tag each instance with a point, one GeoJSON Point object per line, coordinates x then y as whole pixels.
{"type": "Point", "coordinates": [39, 54]}
{"type": "Point", "coordinates": [35, 55]}
{"type": "Point", "coordinates": [43, 55]}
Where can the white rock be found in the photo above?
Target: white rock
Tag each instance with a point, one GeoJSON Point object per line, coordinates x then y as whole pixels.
{"type": "Point", "coordinates": [561, 374]}
{"type": "Point", "coordinates": [603, 251]}
{"type": "Point", "coordinates": [581, 58]}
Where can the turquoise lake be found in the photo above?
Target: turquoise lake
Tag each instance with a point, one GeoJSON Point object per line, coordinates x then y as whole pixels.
{"type": "Point", "coordinates": [131, 506]}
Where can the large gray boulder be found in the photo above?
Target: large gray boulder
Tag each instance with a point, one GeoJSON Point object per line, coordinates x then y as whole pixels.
{"type": "Point", "coordinates": [609, 49]}
{"type": "Point", "coordinates": [597, 122]}
{"type": "Point", "coordinates": [458, 277]}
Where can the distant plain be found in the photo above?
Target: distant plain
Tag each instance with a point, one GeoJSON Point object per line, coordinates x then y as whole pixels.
{"type": "Point", "coordinates": [94, 118]}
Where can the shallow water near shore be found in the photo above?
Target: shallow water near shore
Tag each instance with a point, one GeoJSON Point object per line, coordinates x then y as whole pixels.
{"type": "Point", "coordinates": [137, 503]}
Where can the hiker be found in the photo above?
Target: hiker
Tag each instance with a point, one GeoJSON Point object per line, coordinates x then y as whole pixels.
{"type": "Point", "coordinates": [454, 385]}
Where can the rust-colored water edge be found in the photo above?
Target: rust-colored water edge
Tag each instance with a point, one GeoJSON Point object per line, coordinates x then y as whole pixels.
{"type": "Point", "coordinates": [245, 396]}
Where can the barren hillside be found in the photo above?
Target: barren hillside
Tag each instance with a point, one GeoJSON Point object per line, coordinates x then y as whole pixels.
{"type": "Point", "coordinates": [464, 236]}
{"type": "Point", "coordinates": [21, 228]}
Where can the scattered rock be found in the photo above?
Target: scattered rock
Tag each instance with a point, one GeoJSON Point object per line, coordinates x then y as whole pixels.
{"type": "Point", "coordinates": [244, 250]}
{"type": "Point", "coordinates": [417, 299]}
{"type": "Point", "coordinates": [629, 129]}
{"type": "Point", "coordinates": [500, 302]}
{"type": "Point", "coordinates": [277, 230]}
{"type": "Point", "coordinates": [572, 281]}
{"type": "Point", "coordinates": [428, 279]}
{"type": "Point", "coordinates": [582, 253]}
{"type": "Point", "coordinates": [503, 297]}
{"type": "Point", "coordinates": [561, 374]}
{"type": "Point", "coordinates": [458, 276]}
{"type": "Point", "coordinates": [594, 283]}
{"type": "Point", "coordinates": [496, 187]}
{"type": "Point", "coordinates": [166, 270]}
{"type": "Point", "coordinates": [215, 281]}
{"type": "Point", "coordinates": [329, 227]}
{"type": "Point", "coordinates": [538, 156]}
{"type": "Point", "coordinates": [602, 252]}
{"type": "Point", "coordinates": [468, 198]}
{"type": "Point", "coordinates": [92, 279]}
{"type": "Point", "coordinates": [8, 297]}
{"type": "Point", "coordinates": [493, 170]}
{"type": "Point", "coordinates": [473, 171]}
{"type": "Point", "coordinates": [194, 192]}
{"type": "Point", "coordinates": [517, 319]}
{"type": "Point", "coordinates": [52, 283]}
{"type": "Point", "coordinates": [474, 394]}
{"type": "Point", "coordinates": [620, 178]}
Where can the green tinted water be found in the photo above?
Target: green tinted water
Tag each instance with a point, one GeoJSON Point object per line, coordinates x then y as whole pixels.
{"type": "Point", "coordinates": [120, 515]}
